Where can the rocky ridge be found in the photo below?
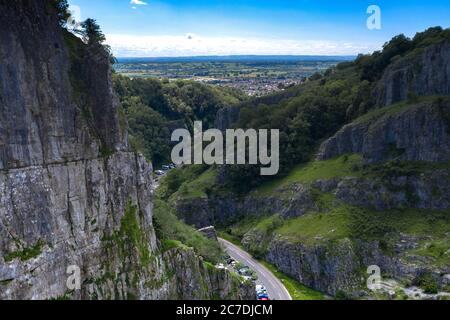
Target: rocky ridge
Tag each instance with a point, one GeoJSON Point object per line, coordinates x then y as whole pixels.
{"type": "Point", "coordinates": [72, 193]}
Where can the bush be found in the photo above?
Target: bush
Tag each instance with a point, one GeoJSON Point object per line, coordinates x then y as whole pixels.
{"type": "Point", "coordinates": [427, 282]}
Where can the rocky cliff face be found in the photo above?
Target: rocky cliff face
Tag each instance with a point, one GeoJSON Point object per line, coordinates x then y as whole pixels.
{"type": "Point", "coordinates": [423, 72]}
{"type": "Point", "coordinates": [292, 201]}
{"type": "Point", "coordinates": [71, 192]}
{"type": "Point", "coordinates": [411, 132]}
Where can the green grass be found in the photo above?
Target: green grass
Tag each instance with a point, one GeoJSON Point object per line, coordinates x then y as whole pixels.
{"type": "Point", "coordinates": [412, 221]}
{"type": "Point", "coordinates": [316, 227]}
{"type": "Point", "coordinates": [312, 171]}
{"type": "Point", "coordinates": [347, 221]}
{"type": "Point", "coordinates": [188, 182]}
{"type": "Point", "coordinates": [198, 187]}
{"type": "Point", "coordinates": [26, 254]}
{"type": "Point", "coordinates": [237, 230]}
{"type": "Point", "coordinates": [295, 288]}
{"type": "Point", "coordinates": [233, 239]}
{"type": "Point", "coordinates": [171, 244]}
{"type": "Point", "coordinates": [437, 250]}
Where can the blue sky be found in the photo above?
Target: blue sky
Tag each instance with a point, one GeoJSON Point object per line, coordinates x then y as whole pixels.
{"type": "Point", "coordinates": [219, 27]}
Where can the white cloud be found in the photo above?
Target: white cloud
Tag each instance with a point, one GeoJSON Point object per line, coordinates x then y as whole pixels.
{"type": "Point", "coordinates": [138, 2]}
{"type": "Point", "coordinates": [195, 45]}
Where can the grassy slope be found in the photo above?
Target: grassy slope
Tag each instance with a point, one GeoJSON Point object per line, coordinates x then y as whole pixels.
{"type": "Point", "coordinates": [307, 173]}
{"type": "Point", "coordinates": [194, 184]}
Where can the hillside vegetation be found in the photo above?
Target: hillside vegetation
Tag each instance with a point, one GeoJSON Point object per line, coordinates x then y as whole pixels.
{"type": "Point", "coordinates": [154, 108]}
{"type": "Point", "coordinates": [314, 111]}
{"type": "Point", "coordinates": [364, 179]}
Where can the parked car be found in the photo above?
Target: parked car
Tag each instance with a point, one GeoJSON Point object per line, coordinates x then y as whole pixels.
{"type": "Point", "coordinates": [263, 296]}
{"type": "Point", "coordinates": [244, 271]}
{"type": "Point", "coordinates": [160, 172]}
{"type": "Point", "coordinates": [261, 292]}
{"type": "Point", "coordinates": [260, 287]}
{"type": "Point", "coordinates": [247, 278]}
{"type": "Point", "coordinates": [166, 167]}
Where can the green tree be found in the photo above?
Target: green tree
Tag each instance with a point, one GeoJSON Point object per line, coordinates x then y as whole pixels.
{"type": "Point", "coordinates": [62, 11]}
{"type": "Point", "coordinates": [91, 32]}
{"type": "Point", "coordinates": [150, 131]}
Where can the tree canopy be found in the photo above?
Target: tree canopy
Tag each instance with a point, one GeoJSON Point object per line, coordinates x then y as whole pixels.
{"type": "Point", "coordinates": [91, 32]}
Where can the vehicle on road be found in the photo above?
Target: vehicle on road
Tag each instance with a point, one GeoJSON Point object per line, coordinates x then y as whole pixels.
{"type": "Point", "coordinates": [261, 293]}
{"type": "Point", "coordinates": [246, 278]}
{"type": "Point", "coordinates": [220, 266]}
{"type": "Point", "coordinates": [244, 271]}
{"type": "Point", "coordinates": [262, 296]}
{"type": "Point", "coordinates": [260, 287]}
{"type": "Point", "coordinates": [160, 172]}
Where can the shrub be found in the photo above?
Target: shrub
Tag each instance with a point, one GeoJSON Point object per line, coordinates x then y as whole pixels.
{"type": "Point", "coordinates": [427, 282]}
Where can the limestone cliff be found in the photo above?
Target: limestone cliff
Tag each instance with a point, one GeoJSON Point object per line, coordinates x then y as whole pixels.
{"type": "Point", "coordinates": [409, 131]}
{"type": "Point", "coordinates": [71, 191]}
{"type": "Point", "coordinates": [424, 72]}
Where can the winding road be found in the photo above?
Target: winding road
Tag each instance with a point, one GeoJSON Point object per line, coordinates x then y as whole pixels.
{"type": "Point", "coordinates": [275, 287]}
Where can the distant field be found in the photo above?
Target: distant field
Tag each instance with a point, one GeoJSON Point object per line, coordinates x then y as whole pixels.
{"type": "Point", "coordinates": [256, 75]}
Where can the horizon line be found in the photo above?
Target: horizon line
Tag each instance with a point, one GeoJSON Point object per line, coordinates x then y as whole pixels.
{"type": "Point", "coordinates": [239, 55]}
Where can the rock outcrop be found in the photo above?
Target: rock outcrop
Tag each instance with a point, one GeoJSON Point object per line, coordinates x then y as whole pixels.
{"type": "Point", "coordinates": [416, 132]}
{"type": "Point", "coordinates": [423, 72]}
{"type": "Point", "coordinates": [209, 232]}
{"type": "Point", "coordinates": [293, 201]}
{"type": "Point", "coordinates": [72, 194]}
{"type": "Point", "coordinates": [420, 191]}
{"type": "Point", "coordinates": [339, 268]}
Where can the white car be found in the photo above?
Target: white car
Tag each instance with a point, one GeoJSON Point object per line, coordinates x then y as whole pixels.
{"type": "Point", "coordinates": [260, 287]}
{"type": "Point", "coordinates": [160, 172]}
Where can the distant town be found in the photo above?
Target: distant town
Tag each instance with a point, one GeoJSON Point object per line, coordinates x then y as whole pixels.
{"type": "Point", "coordinates": [254, 75]}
